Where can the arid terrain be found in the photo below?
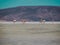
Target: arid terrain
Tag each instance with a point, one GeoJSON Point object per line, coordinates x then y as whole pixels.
{"type": "Point", "coordinates": [29, 34]}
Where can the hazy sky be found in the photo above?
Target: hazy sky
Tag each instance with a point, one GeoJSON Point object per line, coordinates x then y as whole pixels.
{"type": "Point", "coordinates": [14, 3]}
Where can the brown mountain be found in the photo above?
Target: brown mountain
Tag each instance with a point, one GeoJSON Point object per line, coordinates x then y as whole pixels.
{"type": "Point", "coordinates": [31, 13]}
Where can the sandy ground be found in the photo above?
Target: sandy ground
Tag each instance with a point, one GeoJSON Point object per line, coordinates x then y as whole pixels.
{"type": "Point", "coordinates": [29, 34]}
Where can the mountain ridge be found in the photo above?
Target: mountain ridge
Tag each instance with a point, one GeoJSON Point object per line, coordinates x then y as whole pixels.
{"type": "Point", "coordinates": [31, 13]}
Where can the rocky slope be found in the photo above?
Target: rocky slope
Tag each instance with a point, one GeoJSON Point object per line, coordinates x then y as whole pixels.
{"type": "Point", "coordinates": [31, 13]}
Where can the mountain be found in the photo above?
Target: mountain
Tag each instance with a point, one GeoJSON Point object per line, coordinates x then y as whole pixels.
{"type": "Point", "coordinates": [31, 13]}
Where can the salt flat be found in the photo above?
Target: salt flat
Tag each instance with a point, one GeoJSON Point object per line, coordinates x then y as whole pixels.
{"type": "Point", "coordinates": [29, 34]}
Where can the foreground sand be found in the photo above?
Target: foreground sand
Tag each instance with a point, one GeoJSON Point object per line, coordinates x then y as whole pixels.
{"type": "Point", "coordinates": [29, 34]}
